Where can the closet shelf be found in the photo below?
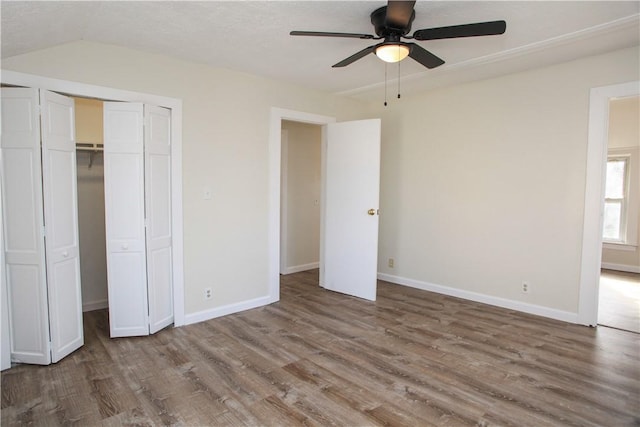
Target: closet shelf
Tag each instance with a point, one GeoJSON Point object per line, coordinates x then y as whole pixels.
{"type": "Point", "coordinates": [92, 147]}
{"type": "Point", "coordinates": [89, 146]}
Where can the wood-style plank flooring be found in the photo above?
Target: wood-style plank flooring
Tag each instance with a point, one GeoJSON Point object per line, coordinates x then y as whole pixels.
{"type": "Point", "coordinates": [619, 302]}
{"type": "Point", "coordinates": [412, 358]}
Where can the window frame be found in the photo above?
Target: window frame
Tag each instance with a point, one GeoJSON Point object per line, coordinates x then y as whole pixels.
{"type": "Point", "coordinates": [623, 201]}
{"type": "Point", "coordinates": [633, 198]}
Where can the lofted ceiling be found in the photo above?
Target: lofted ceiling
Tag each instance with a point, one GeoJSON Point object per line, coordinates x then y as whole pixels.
{"type": "Point", "coordinates": [253, 36]}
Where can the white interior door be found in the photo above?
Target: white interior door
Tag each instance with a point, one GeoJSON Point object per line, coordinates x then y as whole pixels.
{"type": "Point", "coordinates": [349, 242]}
{"type": "Point", "coordinates": [24, 226]}
{"type": "Point", "coordinates": [157, 153]}
{"type": "Point", "coordinates": [124, 218]}
{"type": "Point", "coordinates": [61, 221]}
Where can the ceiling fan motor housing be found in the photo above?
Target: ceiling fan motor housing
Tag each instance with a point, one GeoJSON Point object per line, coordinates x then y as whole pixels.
{"type": "Point", "coordinates": [385, 27]}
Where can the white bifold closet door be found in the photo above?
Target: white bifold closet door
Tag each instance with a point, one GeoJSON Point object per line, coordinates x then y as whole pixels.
{"type": "Point", "coordinates": [138, 217]}
{"type": "Point", "coordinates": [61, 223]}
{"type": "Point", "coordinates": [157, 170]}
{"type": "Point", "coordinates": [38, 146]}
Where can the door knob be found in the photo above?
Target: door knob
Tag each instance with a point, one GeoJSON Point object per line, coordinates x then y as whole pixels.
{"type": "Point", "coordinates": [125, 246]}
{"type": "Point", "coordinates": [65, 254]}
{"type": "Point", "coordinates": [371, 211]}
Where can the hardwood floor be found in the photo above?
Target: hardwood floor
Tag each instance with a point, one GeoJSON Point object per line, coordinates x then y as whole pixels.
{"type": "Point", "coordinates": [412, 358]}
{"type": "Point", "coordinates": [619, 300]}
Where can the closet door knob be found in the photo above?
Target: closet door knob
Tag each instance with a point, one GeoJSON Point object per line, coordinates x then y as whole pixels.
{"type": "Point", "coordinates": [65, 254]}
{"type": "Point", "coordinates": [125, 246]}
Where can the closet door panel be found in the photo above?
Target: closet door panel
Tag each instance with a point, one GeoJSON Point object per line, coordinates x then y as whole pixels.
{"type": "Point", "coordinates": [158, 209]}
{"type": "Point", "coordinates": [61, 220]}
{"type": "Point", "coordinates": [24, 226]}
{"type": "Point", "coordinates": [124, 219]}
{"type": "Point", "coordinates": [22, 167]}
{"type": "Point", "coordinates": [127, 318]}
{"type": "Point", "coordinates": [29, 329]}
{"type": "Point", "coordinates": [123, 201]}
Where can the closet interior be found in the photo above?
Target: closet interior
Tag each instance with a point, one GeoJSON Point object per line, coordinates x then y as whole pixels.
{"type": "Point", "coordinates": [91, 222]}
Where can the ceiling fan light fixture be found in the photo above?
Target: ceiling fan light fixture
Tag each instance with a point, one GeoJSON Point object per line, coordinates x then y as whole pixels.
{"type": "Point", "coordinates": [392, 52]}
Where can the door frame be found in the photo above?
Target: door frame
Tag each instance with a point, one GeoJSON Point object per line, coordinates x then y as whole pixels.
{"type": "Point", "coordinates": [110, 94]}
{"type": "Point", "coordinates": [275, 171]}
{"type": "Point", "coordinates": [594, 196]}
{"type": "Point", "coordinates": [284, 185]}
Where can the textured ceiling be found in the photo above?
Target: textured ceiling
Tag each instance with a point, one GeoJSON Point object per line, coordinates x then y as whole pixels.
{"type": "Point", "coordinates": [253, 36]}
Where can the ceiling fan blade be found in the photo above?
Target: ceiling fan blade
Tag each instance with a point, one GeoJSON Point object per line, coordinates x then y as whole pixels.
{"type": "Point", "coordinates": [353, 58]}
{"type": "Point", "coordinates": [326, 34]}
{"type": "Point", "coordinates": [423, 56]}
{"type": "Point", "coordinates": [490, 28]}
{"type": "Point", "coordinates": [400, 14]}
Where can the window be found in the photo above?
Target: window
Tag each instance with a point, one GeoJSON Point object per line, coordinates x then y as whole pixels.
{"type": "Point", "coordinates": [616, 200]}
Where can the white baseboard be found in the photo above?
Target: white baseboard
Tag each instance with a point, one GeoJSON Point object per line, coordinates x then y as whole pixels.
{"type": "Point", "coordinates": [95, 305]}
{"type": "Point", "coordinates": [212, 313]}
{"type": "Point", "coordinates": [538, 310]}
{"type": "Point", "coordinates": [621, 267]}
{"type": "Point", "coordinates": [299, 268]}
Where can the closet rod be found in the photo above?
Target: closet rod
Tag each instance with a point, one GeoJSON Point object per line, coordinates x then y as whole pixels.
{"type": "Point", "coordinates": [89, 146]}
{"type": "Point", "coordinates": [92, 147]}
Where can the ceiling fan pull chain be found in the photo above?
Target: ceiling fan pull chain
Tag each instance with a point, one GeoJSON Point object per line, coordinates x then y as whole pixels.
{"type": "Point", "coordinates": [399, 79]}
{"type": "Point", "coordinates": [385, 84]}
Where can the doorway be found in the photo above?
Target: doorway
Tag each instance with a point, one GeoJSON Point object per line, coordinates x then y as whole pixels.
{"type": "Point", "coordinates": [350, 178]}
{"type": "Point", "coordinates": [278, 115]}
{"type": "Point", "coordinates": [619, 287]}
{"type": "Point", "coordinates": [300, 197]}
{"type": "Point", "coordinates": [594, 195]}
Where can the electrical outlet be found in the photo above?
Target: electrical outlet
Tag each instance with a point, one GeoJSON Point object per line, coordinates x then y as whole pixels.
{"type": "Point", "coordinates": [525, 287]}
{"type": "Point", "coordinates": [208, 293]}
{"type": "Point", "coordinates": [391, 262]}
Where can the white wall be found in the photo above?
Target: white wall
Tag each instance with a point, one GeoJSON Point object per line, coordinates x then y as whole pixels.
{"type": "Point", "coordinates": [483, 184]}
{"type": "Point", "coordinates": [624, 138]}
{"type": "Point", "coordinates": [301, 163]}
{"type": "Point", "coordinates": [225, 149]}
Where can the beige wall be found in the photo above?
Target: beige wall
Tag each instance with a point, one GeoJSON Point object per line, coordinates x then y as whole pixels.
{"type": "Point", "coordinates": [302, 165]}
{"type": "Point", "coordinates": [624, 138]}
{"type": "Point", "coordinates": [483, 183]}
{"type": "Point", "coordinates": [225, 148]}
{"type": "Point", "coordinates": [624, 122]}
{"type": "Point", "coordinates": [89, 126]}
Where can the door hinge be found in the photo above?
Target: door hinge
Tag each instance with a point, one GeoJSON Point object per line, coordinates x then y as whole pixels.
{"type": "Point", "coordinates": [44, 231]}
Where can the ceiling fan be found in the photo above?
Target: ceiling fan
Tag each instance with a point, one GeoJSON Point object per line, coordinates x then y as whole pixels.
{"type": "Point", "coordinates": [392, 23]}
